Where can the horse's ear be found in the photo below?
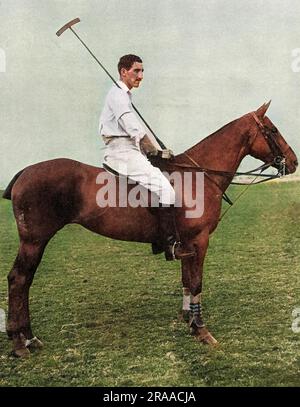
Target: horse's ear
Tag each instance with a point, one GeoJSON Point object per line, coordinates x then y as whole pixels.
{"type": "Point", "coordinates": [261, 111]}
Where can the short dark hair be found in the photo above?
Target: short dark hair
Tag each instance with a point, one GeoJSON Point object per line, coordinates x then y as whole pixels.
{"type": "Point", "coordinates": [126, 61]}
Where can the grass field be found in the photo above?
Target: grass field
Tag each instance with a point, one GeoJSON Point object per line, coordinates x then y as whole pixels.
{"type": "Point", "coordinates": [107, 310]}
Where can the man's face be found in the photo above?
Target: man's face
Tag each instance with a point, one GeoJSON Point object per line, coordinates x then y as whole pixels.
{"type": "Point", "coordinates": [133, 77]}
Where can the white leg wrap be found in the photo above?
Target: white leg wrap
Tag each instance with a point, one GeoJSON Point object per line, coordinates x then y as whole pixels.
{"type": "Point", "coordinates": [196, 299]}
{"type": "Point", "coordinates": [186, 299]}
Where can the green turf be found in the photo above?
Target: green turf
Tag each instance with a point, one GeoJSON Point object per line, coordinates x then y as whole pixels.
{"type": "Point", "coordinates": [107, 310]}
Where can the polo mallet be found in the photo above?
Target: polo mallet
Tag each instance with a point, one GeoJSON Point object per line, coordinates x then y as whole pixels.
{"type": "Point", "coordinates": [69, 26]}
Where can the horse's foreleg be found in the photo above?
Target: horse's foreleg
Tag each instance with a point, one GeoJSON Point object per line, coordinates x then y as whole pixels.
{"type": "Point", "coordinates": [192, 278]}
{"type": "Point", "coordinates": [186, 266]}
{"type": "Point", "coordinates": [19, 282]}
{"type": "Point", "coordinates": [194, 269]}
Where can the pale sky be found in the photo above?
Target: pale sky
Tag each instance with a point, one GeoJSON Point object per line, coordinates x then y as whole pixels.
{"type": "Point", "coordinates": [206, 63]}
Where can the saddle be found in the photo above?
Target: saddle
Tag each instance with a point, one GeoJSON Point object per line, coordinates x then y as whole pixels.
{"type": "Point", "coordinates": [157, 246]}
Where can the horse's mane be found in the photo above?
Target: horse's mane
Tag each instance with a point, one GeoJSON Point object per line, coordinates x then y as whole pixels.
{"type": "Point", "coordinates": [215, 133]}
{"type": "Point", "coordinates": [165, 165]}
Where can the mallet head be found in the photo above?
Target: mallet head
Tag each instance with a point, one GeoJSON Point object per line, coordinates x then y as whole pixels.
{"type": "Point", "coordinates": [68, 25]}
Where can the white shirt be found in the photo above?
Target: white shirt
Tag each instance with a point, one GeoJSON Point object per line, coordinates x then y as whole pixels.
{"type": "Point", "coordinates": [118, 117]}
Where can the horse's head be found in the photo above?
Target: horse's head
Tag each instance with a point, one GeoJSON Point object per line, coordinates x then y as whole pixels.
{"type": "Point", "coordinates": [267, 144]}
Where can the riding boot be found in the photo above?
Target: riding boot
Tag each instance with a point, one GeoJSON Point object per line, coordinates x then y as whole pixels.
{"type": "Point", "coordinates": [167, 227]}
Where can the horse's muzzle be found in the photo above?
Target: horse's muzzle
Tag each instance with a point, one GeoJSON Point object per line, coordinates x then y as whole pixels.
{"type": "Point", "coordinates": [291, 166]}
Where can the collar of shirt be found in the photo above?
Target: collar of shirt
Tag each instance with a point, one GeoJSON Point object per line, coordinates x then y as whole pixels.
{"type": "Point", "coordinates": [124, 87]}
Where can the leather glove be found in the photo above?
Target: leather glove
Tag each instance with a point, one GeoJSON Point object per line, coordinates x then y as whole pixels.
{"type": "Point", "coordinates": [166, 154]}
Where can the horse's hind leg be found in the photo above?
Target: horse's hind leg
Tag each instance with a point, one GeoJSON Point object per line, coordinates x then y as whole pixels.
{"type": "Point", "coordinates": [19, 282]}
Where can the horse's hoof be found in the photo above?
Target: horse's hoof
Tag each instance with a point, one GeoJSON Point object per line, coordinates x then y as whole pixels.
{"type": "Point", "coordinates": [34, 344]}
{"type": "Point", "coordinates": [204, 336]}
{"type": "Point", "coordinates": [21, 353]}
{"type": "Point", "coordinates": [184, 315]}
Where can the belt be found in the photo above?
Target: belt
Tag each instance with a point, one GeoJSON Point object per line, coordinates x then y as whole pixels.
{"type": "Point", "coordinates": [107, 139]}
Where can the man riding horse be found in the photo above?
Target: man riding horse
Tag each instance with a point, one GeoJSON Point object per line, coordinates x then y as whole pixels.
{"type": "Point", "coordinates": [128, 148]}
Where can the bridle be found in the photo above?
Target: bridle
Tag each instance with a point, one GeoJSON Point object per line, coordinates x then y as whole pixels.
{"type": "Point", "coordinates": [269, 135]}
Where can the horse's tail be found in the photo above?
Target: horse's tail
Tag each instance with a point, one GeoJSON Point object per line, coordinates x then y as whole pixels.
{"type": "Point", "coordinates": [7, 192]}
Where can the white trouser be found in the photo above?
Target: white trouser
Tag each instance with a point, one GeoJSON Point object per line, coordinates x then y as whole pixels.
{"type": "Point", "coordinates": [124, 157]}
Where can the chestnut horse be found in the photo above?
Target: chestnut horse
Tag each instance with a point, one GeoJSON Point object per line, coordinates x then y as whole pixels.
{"type": "Point", "coordinates": [48, 195]}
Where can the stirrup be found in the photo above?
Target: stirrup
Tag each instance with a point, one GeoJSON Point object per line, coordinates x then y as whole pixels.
{"type": "Point", "coordinates": [173, 252]}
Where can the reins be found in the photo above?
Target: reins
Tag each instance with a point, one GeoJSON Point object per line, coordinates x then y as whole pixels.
{"type": "Point", "coordinates": [239, 196]}
{"type": "Point", "coordinates": [279, 160]}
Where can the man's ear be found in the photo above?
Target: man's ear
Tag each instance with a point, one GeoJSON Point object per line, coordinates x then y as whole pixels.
{"type": "Point", "coordinates": [123, 72]}
{"type": "Point", "coordinates": [261, 111]}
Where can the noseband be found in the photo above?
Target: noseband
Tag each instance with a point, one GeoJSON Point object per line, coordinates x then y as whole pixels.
{"type": "Point", "coordinates": [270, 137]}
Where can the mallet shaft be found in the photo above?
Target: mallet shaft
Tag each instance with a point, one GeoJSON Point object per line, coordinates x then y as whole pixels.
{"type": "Point", "coordinates": [69, 25]}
